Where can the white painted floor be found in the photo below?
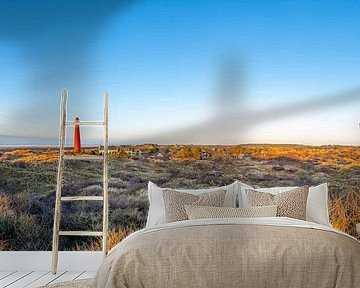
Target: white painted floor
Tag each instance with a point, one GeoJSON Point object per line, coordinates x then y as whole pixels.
{"type": "Point", "coordinates": [32, 279]}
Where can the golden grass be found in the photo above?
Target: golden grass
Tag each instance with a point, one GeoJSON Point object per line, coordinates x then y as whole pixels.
{"type": "Point", "coordinates": [115, 237]}
{"type": "Point", "coordinates": [335, 156]}
{"type": "Point", "coordinates": [18, 152]}
{"type": "Point", "coordinates": [5, 212]}
{"type": "Point", "coordinates": [38, 158]}
{"type": "Point", "coordinates": [31, 156]}
{"type": "Point", "coordinates": [345, 212]}
{"type": "Point", "coordinates": [5, 206]}
{"type": "Point", "coordinates": [4, 245]}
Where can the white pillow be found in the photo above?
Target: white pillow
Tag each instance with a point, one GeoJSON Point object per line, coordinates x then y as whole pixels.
{"type": "Point", "coordinates": [156, 214]}
{"type": "Point", "coordinates": [317, 203]}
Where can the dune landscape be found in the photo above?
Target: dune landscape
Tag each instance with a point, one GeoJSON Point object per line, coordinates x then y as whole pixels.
{"type": "Point", "coordinates": [28, 181]}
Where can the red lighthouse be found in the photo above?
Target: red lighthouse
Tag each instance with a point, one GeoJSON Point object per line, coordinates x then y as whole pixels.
{"type": "Point", "coordinates": [77, 141]}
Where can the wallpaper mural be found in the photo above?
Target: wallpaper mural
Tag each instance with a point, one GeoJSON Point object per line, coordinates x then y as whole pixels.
{"type": "Point", "coordinates": [201, 94]}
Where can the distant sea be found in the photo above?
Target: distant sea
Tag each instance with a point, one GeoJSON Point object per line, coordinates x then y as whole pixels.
{"type": "Point", "coordinates": [36, 142]}
{"type": "Point", "coordinates": [21, 141]}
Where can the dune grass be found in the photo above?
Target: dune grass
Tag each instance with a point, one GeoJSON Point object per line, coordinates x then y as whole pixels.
{"type": "Point", "coordinates": [345, 212]}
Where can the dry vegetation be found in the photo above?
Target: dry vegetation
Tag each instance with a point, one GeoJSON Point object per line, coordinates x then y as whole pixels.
{"type": "Point", "coordinates": [28, 179]}
{"type": "Point", "coordinates": [115, 237]}
{"type": "Point", "coordinates": [30, 156]}
{"type": "Point", "coordinates": [345, 211]}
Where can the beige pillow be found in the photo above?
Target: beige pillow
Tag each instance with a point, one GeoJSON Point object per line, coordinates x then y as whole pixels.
{"type": "Point", "coordinates": [290, 204]}
{"type": "Point", "coordinates": [175, 201]}
{"type": "Point", "coordinates": [201, 212]}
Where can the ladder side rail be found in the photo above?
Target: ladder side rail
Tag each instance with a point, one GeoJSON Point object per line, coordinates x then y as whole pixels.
{"type": "Point", "coordinates": [55, 243]}
{"type": "Point", "coordinates": [105, 178]}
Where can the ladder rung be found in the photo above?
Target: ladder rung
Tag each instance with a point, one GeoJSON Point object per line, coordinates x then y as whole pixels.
{"type": "Point", "coordinates": [87, 157]}
{"type": "Point", "coordinates": [85, 123]}
{"type": "Point", "coordinates": [79, 198]}
{"type": "Point", "coordinates": [80, 233]}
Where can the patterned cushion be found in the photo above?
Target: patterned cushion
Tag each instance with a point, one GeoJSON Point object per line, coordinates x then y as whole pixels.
{"type": "Point", "coordinates": [290, 204]}
{"type": "Point", "coordinates": [175, 201]}
{"type": "Point", "coordinates": [201, 212]}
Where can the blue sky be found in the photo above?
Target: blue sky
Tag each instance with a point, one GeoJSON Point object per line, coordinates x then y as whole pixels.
{"type": "Point", "coordinates": [163, 64]}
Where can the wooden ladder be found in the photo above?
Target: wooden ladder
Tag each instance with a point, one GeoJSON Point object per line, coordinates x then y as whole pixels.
{"type": "Point", "coordinates": [56, 230]}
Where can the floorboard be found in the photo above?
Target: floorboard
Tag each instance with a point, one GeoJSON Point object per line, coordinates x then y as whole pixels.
{"type": "Point", "coordinates": [46, 279]}
{"type": "Point", "coordinates": [5, 274]}
{"type": "Point", "coordinates": [68, 276]}
{"type": "Point", "coordinates": [35, 279]}
{"type": "Point", "coordinates": [28, 279]}
{"type": "Point", "coordinates": [13, 277]}
{"type": "Point", "coordinates": [86, 275]}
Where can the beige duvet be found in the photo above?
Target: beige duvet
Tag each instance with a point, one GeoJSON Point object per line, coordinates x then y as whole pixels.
{"type": "Point", "coordinates": [273, 252]}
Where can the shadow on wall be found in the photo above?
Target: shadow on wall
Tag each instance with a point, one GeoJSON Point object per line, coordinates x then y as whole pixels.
{"type": "Point", "coordinates": [55, 38]}
{"type": "Point", "coordinates": [232, 118]}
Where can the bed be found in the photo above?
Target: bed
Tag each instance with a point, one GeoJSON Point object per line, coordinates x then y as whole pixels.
{"type": "Point", "coordinates": [233, 252]}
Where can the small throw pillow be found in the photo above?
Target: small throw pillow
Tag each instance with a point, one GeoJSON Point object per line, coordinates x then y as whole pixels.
{"type": "Point", "coordinates": [290, 204]}
{"type": "Point", "coordinates": [201, 212]}
{"type": "Point", "coordinates": [175, 201]}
